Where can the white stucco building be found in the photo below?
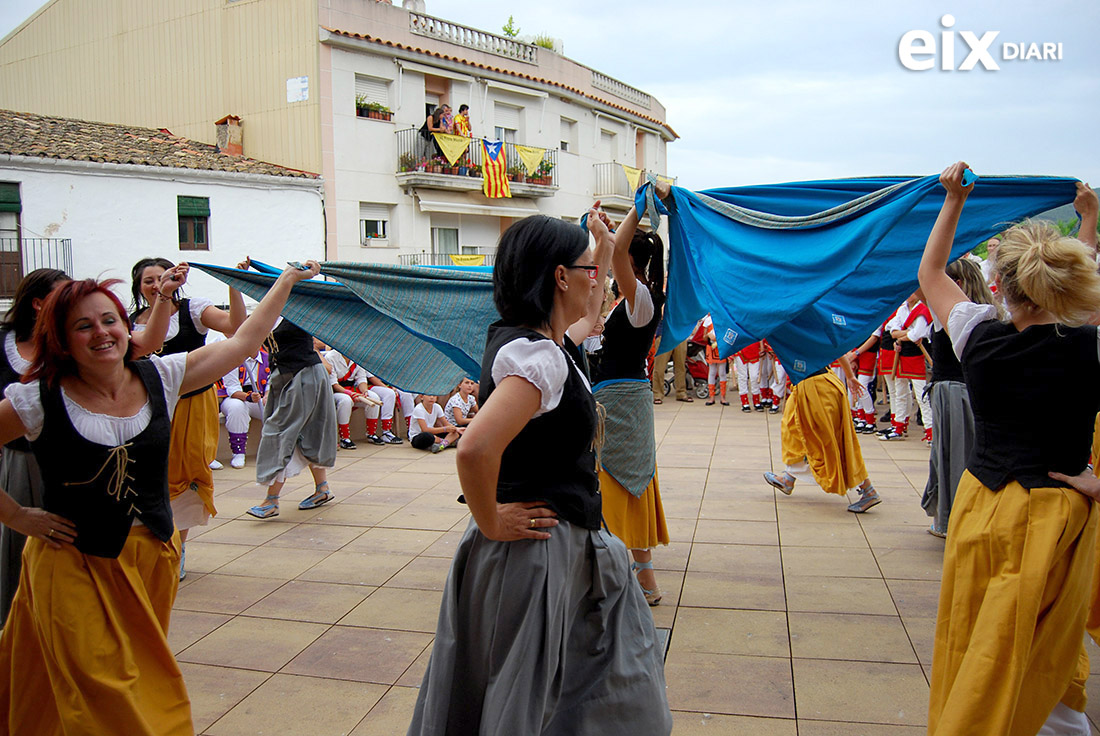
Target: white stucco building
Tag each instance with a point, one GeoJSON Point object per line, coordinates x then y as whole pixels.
{"type": "Point", "coordinates": [94, 198]}
{"type": "Point", "coordinates": [293, 71]}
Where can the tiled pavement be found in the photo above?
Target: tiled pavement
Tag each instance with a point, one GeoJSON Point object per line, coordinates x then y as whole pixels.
{"type": "Point", "coordinates": [786, 615]}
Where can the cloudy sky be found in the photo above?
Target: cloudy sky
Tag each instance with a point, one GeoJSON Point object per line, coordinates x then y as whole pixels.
{"type": "Point", "coordinates": [787, 90]}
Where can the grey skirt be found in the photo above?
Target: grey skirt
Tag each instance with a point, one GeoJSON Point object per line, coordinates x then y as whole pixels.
{"type": "Point", "coordinates": [21, 478]}
{"type": "Point", "coordinates": [549, 638]}
{"type": "Point", "coordinates": [952, 438]}
{"type": "Point", "coordinates": [299, 413]}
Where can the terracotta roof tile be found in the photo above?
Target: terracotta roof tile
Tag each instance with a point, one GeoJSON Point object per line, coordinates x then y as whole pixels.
{"type": "Point", "coordinates": [27, 134]}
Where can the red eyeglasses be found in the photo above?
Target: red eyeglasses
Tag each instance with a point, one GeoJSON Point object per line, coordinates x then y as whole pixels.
{"type": "Point", "coordinates": [593, 271]}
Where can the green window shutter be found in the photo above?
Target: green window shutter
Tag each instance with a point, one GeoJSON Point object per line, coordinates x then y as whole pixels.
{"type": "Point", "coordinates": [9, 198]}
{"type": "Point", "coordinates": [194, 206]}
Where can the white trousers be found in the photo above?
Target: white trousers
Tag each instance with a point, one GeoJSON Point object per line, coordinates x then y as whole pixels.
{"type": "Point", "coordinates": [779, 380]}
{"type": "Point", "coordinates": [716, 373]}
{"type": "Point", "coordinates": [389, 397]}
{"type": "Point", "coordinates": [863, 403]}
{"type": "Point", "coordinates": [344, 406]}
{"type": "Point", "coordinates": [239, 413]}
{"type": "Point", "coordinates": [748, 376]}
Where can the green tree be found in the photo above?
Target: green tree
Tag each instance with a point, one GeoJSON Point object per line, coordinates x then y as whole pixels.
{"type": "Point", "coordinates": [510, 29]}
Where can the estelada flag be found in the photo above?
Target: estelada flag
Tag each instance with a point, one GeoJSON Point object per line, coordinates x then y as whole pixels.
{"type": "Point", "coordinates": [494, 169]}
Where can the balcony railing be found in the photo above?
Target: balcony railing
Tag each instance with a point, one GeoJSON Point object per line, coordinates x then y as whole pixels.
{"type": "Point", "coordinates": [439, 259]}
{"type": "Point", "coordinates": [620, 89]}
{"type": "Point", "coordinates": [415, 155]}
{"type": "Point", "coordinates": [611, 181]}
{"type": "Point", "coordinates": [20, 256]}
{"type": "Point", "coordinates": [472, 38]}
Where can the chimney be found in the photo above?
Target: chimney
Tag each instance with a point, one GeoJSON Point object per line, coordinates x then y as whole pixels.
{"type": "Point", "coordinates": [229, 136]}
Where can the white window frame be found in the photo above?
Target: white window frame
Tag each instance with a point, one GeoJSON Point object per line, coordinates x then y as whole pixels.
{"type": "Point", "coordinates": [380, 214]}
{"type": "Point", "coordinates": [568, 135]}
{"type": "Point", "coordinates": [436, 244]}
{"type": "Point", "coordinates": [374, 89]}
{"type": "Point", "coordinates": [507, 120]}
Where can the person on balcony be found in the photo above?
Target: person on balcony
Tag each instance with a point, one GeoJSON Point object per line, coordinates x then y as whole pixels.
{"type": "Point", "coordinates": [461, 124]}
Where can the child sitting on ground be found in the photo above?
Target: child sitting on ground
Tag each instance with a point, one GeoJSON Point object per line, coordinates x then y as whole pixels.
{"type": "Point", "coordinates": [462, 406]}
{"type": "Point", "coordinates": [428, 423]}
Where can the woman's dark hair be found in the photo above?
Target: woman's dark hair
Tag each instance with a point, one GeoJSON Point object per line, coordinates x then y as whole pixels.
{"type": "Point", "coordinates": [528, 253]}
{"type": "Point", "coordinates": [139, 302]}
{"type": "Point", "coordinates": [647, 251]}
{"type": "Point", "coordinates": [35, 285]}
{"type": "Point", "coordinates": [437, 115]}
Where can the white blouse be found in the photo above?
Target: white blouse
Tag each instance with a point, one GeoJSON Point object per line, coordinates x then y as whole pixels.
{"type": "Point", "coordinates": [102, 429]}
{"type": "Point", "coordinates": [542, 364]}
{"type": "Point", "coordinates": [18, 363]}
{"type": "Point", "coordinates": [197, 306]}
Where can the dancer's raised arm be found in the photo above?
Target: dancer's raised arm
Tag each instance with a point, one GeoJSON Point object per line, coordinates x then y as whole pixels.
{"type": "Point", "coordinates": [941, 293]}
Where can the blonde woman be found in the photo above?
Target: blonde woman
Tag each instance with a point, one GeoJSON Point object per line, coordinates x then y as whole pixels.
{"type": "Point", "coordinates": [1008, 655]}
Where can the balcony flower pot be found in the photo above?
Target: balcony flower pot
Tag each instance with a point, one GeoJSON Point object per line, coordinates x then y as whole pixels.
{"type": "Point", "coordinates": [463, 170]}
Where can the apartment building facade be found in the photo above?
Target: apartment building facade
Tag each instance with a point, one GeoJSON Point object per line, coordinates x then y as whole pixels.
{"type": "Point", "coordinates": [293, 72]}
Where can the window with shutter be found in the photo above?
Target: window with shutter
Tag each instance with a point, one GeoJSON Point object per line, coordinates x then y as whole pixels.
{"type": "Point", "coordinates": [374, 223]}
{"type": "Point", "coordinates": [193, 225]}
{"type": "Point", "coordinates": [372, 89]}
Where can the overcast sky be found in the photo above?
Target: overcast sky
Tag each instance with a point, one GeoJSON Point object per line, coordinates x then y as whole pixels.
{"type": "Point", "coordinates": [764, 92]}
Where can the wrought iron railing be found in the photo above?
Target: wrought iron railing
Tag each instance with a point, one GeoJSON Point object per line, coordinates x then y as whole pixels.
{"type": "Point", "coordinates": [611, 180]}
{"type": "Point", "coordinates": [472, 38]}
{"type": "Point", "coordinates": [416, 154]}
{"type": "Point", "coordinates": [20, 256]}
{"type": "Point", "coordinates": [442, 259]}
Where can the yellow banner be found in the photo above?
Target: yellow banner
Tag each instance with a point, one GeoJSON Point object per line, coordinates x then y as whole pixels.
{"type": "Point", "coordinates": [633, 176]}
{"type": "Point", "coordinates": [468, 260]}
{"type": "Point", "coordinates": [531, 158]}
{"type": "Point", "coordinates": [453, 146]}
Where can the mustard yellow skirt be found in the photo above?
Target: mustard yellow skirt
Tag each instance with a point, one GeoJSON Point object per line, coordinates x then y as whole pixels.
{"type": "Point", "coordinates": [85, 650]}
{"type": "Point", "coordinates": [193, 447]}
{"type": "Point", "coordinates": [1011, 621]}
{"type": "Point", "coordinates": [638, 521]}
{"type": "Point", "coordinates": [817, 426]}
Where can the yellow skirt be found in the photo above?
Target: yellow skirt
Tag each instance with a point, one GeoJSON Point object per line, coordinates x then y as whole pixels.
{"type": "Point", "coordinates": [193, 447]}
{"type": "Point", "coordinates": [1009, 631]}
{"type": "Point", "coordinates": [638, 521]}
{"type": "Point", "coordinates": [85, 651]}
{"type": "Point", "coordinates": [817, 426]}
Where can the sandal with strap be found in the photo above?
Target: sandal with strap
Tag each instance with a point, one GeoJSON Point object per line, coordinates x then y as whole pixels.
{"type": "Point", "coordinates": [267, 509]}
{"type": "Point", "coordinates": [652, 597]}
{"type": "Point", "coordinates": [318, 498]}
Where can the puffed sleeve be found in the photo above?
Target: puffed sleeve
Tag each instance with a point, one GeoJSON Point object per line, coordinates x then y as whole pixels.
{"type": "Point", "coordinates": [964, 317]}
{"type": "Point", "coordinates": [27, 402]}
{"type": "Point", "coordinates": [539, 362]}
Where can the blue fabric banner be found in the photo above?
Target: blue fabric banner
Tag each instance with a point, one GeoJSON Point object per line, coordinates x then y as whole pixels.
{"type": "Point", "coordinates": [815, 267]}
{"type": "Point", "coordinates": [414, 350]}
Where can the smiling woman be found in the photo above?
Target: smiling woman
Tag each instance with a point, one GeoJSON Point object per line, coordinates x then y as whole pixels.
{"type": "Point", "coordinates": [103, 551]}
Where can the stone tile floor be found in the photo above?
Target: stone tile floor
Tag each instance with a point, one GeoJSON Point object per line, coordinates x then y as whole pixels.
{"type": "Point", "coordinates": [783, 615]}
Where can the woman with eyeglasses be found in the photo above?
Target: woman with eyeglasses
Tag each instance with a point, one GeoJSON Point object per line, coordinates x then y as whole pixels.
{"type": "Point", "coordinates": [542, 629]}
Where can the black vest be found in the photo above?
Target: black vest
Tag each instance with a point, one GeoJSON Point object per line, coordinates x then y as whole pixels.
{"type": "Point", "coordinates": [188, 337]}
{"type": "Point", "coordinates": [1019, 434]}
{"type": "Point", "coordinates": [909, 349]}
{"type": "Point", "coordinates": [945, 365]}
{"type": "Point", "coordinates": [8, 376]}
{"type": "Point", "coordinates": [625, 346]}
{"type": "Point", "coordinates": [887, 342]}
{"type": "Point", "coordinates": [292, 349]}
{"type": "Point", "coordinates": [86, 487]}
{"type": "Point", "coordinates": [551, 460]}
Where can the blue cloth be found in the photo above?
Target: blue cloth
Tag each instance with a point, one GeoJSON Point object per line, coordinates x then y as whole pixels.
{"type": "Point", "coordinates": [815, 267]}
{"type": "Point", "coordinates": [408, 350]}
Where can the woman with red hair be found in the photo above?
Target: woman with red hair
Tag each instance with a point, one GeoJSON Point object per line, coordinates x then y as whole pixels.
{"type": "Point", "coordinates": [85, 647]}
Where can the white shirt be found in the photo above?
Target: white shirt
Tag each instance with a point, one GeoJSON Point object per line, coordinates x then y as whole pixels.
{"type": "Point", "coordinates": [643, 306]}
{"type": "Point", "coordinates": [542, 364]}
{"type": "Point", "coordinates": [197, 305]}
{"type": "Point", "coordinates": [341, 366]}
{"type": "Point", "coordinates": [232, 379]}
{"type": "Point", "coordinates": [456, 402]}
{"type": "Point", "coordinates": [421, 412]}
{"type": "Point", "coordinates": [102, 429]}
{"type": "Point", "coordinates": [15, 360]}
